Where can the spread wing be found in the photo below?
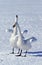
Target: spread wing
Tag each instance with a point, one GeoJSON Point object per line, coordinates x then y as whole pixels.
{"type": "Point", "coordinates": [30, 40]}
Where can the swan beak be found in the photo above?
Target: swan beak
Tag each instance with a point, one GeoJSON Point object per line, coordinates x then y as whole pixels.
{"type": "Point", "coordinates": [16, 16]}
{"type": "Point", "coordinates": [14, 25]}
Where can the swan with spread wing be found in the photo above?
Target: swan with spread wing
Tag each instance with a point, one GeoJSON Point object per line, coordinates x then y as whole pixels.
{"type": "Point", "coordinates": [22, 43]}
{"type": "Point", "coordinates": [14, 36]}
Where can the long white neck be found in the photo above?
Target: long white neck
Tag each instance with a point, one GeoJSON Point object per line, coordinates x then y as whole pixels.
{"type": "Point", "coordinates": [19, 30]}
{"type": "Point", "coordinates": [16, 19]}
{"type": "Point", "coordinates": [15, 29]}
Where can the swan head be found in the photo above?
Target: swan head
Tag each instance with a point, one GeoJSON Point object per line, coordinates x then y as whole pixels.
{"type": "Point", "coordinates": [16, 16]}
{"type": "Point", "coordinates": [14, 25]}
{"type": "Point", "coordinates": [16, 20]}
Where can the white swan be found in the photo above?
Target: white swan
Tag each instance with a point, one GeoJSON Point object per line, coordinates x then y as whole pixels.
{"type": "Point", "coordinates": [21, 42]}
{"type": "Point", "coordinates": [13, 38]}
{"type": "Point", "coordinates": [18, 41]}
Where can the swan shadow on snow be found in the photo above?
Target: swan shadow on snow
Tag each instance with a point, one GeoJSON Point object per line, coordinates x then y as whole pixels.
{"type": "Point", "coordinates": [35, 53]}
{"type": "Point", "coordinates": [38, 55]}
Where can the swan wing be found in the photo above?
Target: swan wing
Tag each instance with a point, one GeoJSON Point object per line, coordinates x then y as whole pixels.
{"type": "Point", "coordinates": [29, 40]}
{"type": "Point", "coordinates": [9, 30]}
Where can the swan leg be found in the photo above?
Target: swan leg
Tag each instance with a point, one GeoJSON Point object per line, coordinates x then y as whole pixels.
{"type": "Point", "coordinates": [21, 54]}
{"type": "Point", "coordinates": [12, 50]}
{"type": "Point", "coordinates": [25, 53]}
{"type": "Point", "coordinates": [18, 51]}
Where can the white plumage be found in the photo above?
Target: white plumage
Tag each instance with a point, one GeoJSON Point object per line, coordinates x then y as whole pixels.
{"type": "Point", "coordinates": [13, 38]}
{"type": "Point", "coordinates": [22, 43]}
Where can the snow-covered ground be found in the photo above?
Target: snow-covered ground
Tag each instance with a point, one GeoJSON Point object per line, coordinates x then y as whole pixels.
{"type": "Point", "coordinates": [30, 18]}
{"type": "Point", "coordinates": [13, 60]}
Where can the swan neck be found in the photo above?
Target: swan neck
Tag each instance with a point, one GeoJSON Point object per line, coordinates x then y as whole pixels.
{"type": "Point", "coordinates": [16, 19]}
{"type": "Point", "coordinates": [19, 30]}
{"type": "Point", "coordinates": [15, 31]}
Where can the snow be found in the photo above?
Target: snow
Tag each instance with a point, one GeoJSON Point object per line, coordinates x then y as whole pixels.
{"type": "Point", "coordinates": [13, 60]}
{"type": "Point", "coordinates": [30, 18]}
